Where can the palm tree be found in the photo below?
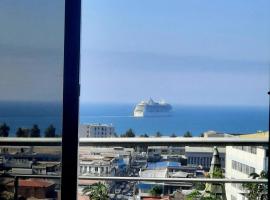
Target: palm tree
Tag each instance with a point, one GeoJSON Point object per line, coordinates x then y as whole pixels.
{"type": "Point", "coordinates": [173, 135]}
{"type": "Point", "coordinates": [97, 191]}
{"type": "Point", "coordinates": [129, 133]}
{"type": "Point", "coordinates": [4, 130]}
{"type": "Point", "coordinates": [188, 134]}
{"type": "Point", "coordinates": [50, 131]}
{"type": "Point", "coordinates": [35, 131]}
{"type": "Point", "coordinates": [158, 134]}
{"type": "Point", "coordinates": [22, 132]}
{"type": "Point", "coordinates": [257, 190]}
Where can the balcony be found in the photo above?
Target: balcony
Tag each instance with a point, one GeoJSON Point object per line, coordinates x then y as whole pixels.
{"type": "Point", "coordinates": [123, 142]}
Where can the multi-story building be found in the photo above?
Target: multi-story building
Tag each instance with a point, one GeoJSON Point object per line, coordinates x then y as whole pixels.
{"type": "Point", "coordinates": [241, 161]}
{"type": "Point", "coordinates": [156, 153]}
{"type": "Point", "coordinates": [97, 167]}
{"type": "Point", "coordinates": [202, 156]}
{"type": "Point", "coordinates": [96, 130]}
{"type": "Point", "coordinates": [104, 161]}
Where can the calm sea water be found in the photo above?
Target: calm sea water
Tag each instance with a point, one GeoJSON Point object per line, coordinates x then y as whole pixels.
{"type": "Point", "coordinates": [196, 119]}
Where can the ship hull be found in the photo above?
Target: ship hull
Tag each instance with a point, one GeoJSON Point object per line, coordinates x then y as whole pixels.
{"type": "Point", "coordinates": [152, 114]}
{"type": "Point", "coordinates": [152, 109]}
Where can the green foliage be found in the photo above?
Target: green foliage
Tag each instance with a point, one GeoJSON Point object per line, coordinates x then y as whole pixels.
{"type": "Point", "coordinates": [195, 194]}
{"type": "Point", "coordinates": [144, 135]}
{"type": "Point", "coordinates": [23, 132]}
{"type": "Point", "coordinates": [173, 135]}
{"type": "Point", "coordinates": [35, 131]}
{"type": "Point", "coordinates": [158, 134]}
{"type": "Point", "coordinates": [156, 190]}
{"type": "Point", "coordinates": [188, 134]}
{"type": "Point", "coordinates": [4, 130]}
{"type": "Point", "coordinates": [129, 133]}
{"type": "Point", "coordinates": [50, 131]}
{"type": "Point", "coordinates": [257, 190]}
{"type": "Point", "coordinates": [218, 173]}
{"type": "Point", "coordinates": [199, 186]}
{"type": "Point", "coordinates": [97, 191]}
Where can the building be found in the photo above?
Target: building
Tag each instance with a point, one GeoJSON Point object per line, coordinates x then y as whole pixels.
{"type": "Point", "coordinates": [97, 166]}
{"type": "Point", "coordinates": [96, 130]}
{"type": "Point", "coordinates": [125, 153]}
{"type": "Point", "coordinates": [162, 170]}
{"type": "Point", "coordinates": [241, 161]}
{"type": "Point", "coordinates": [156, 153]}
{"type": "Point", "coordinates": [110, 161]}
{"type": "Point", "coordinates": [209, 134]}
{"type": "Point", "coordinates": [37, 188]}
{"type": "Point", "coordinates": [202, 156]}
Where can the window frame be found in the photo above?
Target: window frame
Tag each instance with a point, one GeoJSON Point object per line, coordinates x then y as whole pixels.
{"type": "Point", "coordinates": [71, 92]}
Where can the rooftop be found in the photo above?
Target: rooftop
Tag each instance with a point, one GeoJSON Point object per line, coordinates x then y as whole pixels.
{"type": "Point", "coordinates": [154, 173]}
{"type": "Point", "coordinates": [33, 183]}
{"type": "Point", "coordinates": [204, 149]}
{"type": "Point", "coordinates": [262, 134]}
{"type": "Point", "coordinates": [163, 164]}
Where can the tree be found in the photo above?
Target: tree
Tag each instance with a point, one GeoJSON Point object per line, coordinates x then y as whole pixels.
{"type": "Point", "coordinates": [156, 190]}
{"type": "Point", "coordinates": [196, 195]}
{"type": "Point", "coordinates": [22, 132]}
{"type": "Point", "coordinates": [4, 130]}
{"type": "Point", "coordinates": [129, 133]}
{"type": "Point", "coordinates": [144, 135]}
{"type": "Point", "coordinates": [35, 131]}
{"type": "Point", "coordinates": [96, 191]}
{"type": "Point", "coordinates": [199, 186]}
{"type": "Point", "coordinates": [257, 190]}
{"type": "Point", "coordinates": [188, 134]}
{"type": "Point", "coordinates": [158, 134]}
{"type": "Point", "coordinates": [50, 131]}
{"type": "Point", "coordinates": [173, 135]}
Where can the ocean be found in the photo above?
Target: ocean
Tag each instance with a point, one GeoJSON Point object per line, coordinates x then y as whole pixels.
{"type": "Point", "coordinates": [196, 119]}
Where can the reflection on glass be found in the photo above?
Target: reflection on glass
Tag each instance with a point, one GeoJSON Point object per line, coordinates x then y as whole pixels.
{"type": "Point", "coordinates": [31, 87]}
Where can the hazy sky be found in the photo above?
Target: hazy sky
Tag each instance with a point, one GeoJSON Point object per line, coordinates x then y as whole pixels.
{"type": "Point", "coordinates": [31, 50]}
{"type": "Point", "coordinates": [186, 52]}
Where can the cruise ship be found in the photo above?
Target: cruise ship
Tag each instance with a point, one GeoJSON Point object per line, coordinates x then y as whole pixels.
{"type": "Point", "coordinates": [151, 108]}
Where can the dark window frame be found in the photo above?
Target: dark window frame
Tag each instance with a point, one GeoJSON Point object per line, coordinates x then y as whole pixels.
{"type": "Point", "coordinates": [71, 92]}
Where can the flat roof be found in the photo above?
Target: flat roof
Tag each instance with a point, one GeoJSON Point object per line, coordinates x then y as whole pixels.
{"type": "Point", "coordinates": [204, 149]}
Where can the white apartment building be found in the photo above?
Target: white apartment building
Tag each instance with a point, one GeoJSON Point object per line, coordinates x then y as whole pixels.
{"type": "Point", "coordinates": [97, 167]}
{"type": "Point", "coordinates": [96, 130]}
{"type": "Point", "coordinates": [241, 161]}
{"type": "Point", "coordinates": [203, 156]}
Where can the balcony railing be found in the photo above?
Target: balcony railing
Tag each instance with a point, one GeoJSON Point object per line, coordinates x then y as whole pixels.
{"type": "Point", "coordinates": [134, 142]}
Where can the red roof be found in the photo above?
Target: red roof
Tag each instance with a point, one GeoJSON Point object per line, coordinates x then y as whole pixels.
{"type": "Point", "coordinates": [37, 183]}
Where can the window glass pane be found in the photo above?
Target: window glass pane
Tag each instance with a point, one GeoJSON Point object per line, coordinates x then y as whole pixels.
{"type": "Point", "coordinates": [31, 87]}
{"type": "Point", "coordinates": [171, 70]}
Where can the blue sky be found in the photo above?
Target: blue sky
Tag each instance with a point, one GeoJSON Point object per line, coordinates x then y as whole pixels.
{"type": "Point", "coordinates": [186, 52]}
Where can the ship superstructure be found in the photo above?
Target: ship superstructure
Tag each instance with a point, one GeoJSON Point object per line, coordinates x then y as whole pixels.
{"type": "Point", "coordinates": [151, 108]}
